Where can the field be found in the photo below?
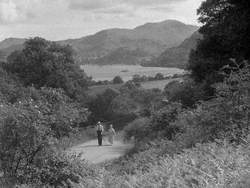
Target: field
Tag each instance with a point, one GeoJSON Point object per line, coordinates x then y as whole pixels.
{"type": "Point", "coordinates": [159, 84]}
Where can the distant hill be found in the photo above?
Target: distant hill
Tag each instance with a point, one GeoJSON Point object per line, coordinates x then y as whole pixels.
{"type": "Point", "coordinates": [121, 56]}
{"type": "Point", "coordinates": [9, 42]}
{"type": "Point", "coordinates": [176, 56]}
{"type": "Point", "coordinates": [142, 42]}
{"type": "Point", "coordinates": [149, 40]}
{"type": "Point", "coordinates": [9, 45]}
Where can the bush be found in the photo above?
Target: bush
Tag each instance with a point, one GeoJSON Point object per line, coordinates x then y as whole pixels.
{"type": "Point", "coordinates": [11, 90]}
{"type": "Point", "coordinates": [225, 116]}
{"type": "Point", "coordinates": [63, 170]}
{"type": "Point", "coordinates": [204, 166]}
{"type": "Point", "coordinates": [30, 129]}
{"type": "Point", "coordinates": [137, 129]}
{"type": "Point", "coordinates": [162, 121]}
{"type": "Point", "coordinates": [159, 76]}
{"type": "Point", "coordinates": [117, 80]}
{"type": "Point", "coordinates": [187, 93]}
{"type": "Point", "coordinates": [24, 139]}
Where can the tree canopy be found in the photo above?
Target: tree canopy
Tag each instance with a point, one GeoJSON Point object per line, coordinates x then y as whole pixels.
{"type": "Point", "coordinates": [117, 80]}
{"type": "Point", "coordinates": [226, 37]}
{"type": "Point", "coordinates": [44, 63]}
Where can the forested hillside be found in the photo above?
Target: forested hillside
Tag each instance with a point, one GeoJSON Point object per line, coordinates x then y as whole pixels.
{"type": "Point", "coordinates": [176, 56]}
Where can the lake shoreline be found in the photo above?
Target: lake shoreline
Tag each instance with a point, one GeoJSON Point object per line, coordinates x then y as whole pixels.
{"type": "Point", "coordinates": [126, 72]}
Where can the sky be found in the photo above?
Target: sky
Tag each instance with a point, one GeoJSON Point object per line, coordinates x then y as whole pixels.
{"type": "Point", "coordinates": [63, 19]}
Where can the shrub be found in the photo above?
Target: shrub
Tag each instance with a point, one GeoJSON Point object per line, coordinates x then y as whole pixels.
{"type": "Point", "coordinates": [225, 116]}
{"type": "Point", "coordinates": [117, 80]}
{"type": "Point", "coordinates": [24, 138]}
{"type": "Point", "coordinates": [137, 129]}
{"type": "Point", "coordinates": [30, 129]}
{"type": "Point", "coordinates": [206, 165]}
{"type": "Point", "coordinates": [187, 93]}
{"type": "Point", "coordinates": [159, 76]}
{"type": "Point", "coordinates": [162, 122]}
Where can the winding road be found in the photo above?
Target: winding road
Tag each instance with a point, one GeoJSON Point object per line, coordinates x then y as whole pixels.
{"type": "Point", "coordinates": [98, 154]}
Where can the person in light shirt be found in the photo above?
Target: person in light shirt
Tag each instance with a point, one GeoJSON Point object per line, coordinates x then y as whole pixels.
{"type": "Point", "coordinates": [111, 134]}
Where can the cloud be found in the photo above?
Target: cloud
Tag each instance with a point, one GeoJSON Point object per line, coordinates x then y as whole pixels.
{"type": "Point", "coordinates": [17, 11]}
{"type": "Point", "coordinates": [90, 5]}
{"type": "Point", "coordinates": [116, 10]}
{"type": "Point", "coordinates": [36, 11]}
{"type": "Point", "coordinates": [60, 19]}
{"type": "Point", "coordinates": [125, 9]}
{"type": "Point", "coordinates": [161, 8]}
{"type": "Point", "coordinates": [141, 3]}
{"type": "Point", "coordinates": [9, 12]}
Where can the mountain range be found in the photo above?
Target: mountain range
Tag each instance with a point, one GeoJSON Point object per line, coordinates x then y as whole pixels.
{"type": "Point", "coordinates": [120, 46]}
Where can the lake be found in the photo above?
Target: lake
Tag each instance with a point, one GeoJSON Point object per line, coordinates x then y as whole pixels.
{"type": "Point", "coordinates": [108, 72]}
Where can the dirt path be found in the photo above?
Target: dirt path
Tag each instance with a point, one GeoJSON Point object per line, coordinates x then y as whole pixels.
{"type": "Point", "coordinates": [97, 154]}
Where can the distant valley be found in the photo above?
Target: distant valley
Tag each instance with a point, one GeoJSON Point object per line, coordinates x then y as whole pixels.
{"type": "Point", "coordinates": [125, 46]}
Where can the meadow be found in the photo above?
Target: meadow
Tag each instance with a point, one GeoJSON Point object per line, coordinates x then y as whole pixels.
{"type": "Point", "coordinates": [157, 84]}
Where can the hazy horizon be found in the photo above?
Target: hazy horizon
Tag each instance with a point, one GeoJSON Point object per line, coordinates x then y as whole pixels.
{"type": "Point", "coordinates": [69, 19]}
{"type": "Point", "coordinates": [96, 31]}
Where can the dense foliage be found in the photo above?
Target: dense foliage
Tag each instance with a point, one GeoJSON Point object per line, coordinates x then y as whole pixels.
{"type": "Point", "coordinates": [207, 165]}
{"type": "Point", "coordinates": [120, 106]}
{"type": "Point", "coordinates": [43, 63]}
{"type": "Point", "coordinates": [186, 92]}
{"type": "Point", "coordinates": [208, 147]}
{"type": "Point", "coordinates": [117, 80]}
{"type": "Point", "coordinates": [225, 33]}
{"type": "Point", "coordinates": [33, 119]}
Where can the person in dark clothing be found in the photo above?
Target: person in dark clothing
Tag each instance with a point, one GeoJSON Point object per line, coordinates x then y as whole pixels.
{"type": "Point", "coordinates": [99, 131]}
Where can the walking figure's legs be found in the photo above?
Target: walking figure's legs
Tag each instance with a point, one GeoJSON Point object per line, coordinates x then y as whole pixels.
{"type": "Point", "coordinates": [100, 140]}
{"type": "Point", "coordinates": [99, 137]}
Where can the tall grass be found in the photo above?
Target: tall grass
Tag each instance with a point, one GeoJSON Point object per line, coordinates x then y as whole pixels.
{"type": "Point", "coordinates": [211, 165]}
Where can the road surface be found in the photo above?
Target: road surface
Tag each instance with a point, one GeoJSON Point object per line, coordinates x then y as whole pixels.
{"type": "Point", "coordinates": [98, 154]}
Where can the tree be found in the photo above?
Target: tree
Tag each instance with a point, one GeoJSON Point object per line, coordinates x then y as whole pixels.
{"type": "Point", "coordinates": [137, 78]}
{"type": "Point", "coordinates": [159, 76]}
{"type": "Point", "coordinates": [187, 92]}
{"type": "Point", "coordinates": [43, 63]}
{"type": "Point", "coordinates": [100, 105]}
{"type": "Point", "coordinates": [117, 80]}
{"type": "Point", "coordinates": [225, 33]}
{"type": "Point", "coordinates": [162, 120]}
